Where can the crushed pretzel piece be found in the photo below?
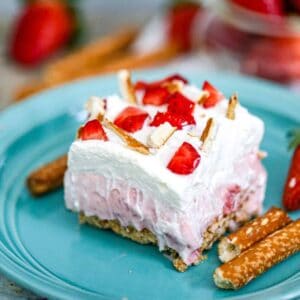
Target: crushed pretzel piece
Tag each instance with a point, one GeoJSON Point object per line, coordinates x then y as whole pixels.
{"type": "Point", "coordinates": [174, 86]}
{"type": "Point", "coordinates": [160, 135]}
{"type": "Point", "coordinates": [259, 258]}
{"type": "Point", "coordinates": [131, 142]}
{"type": "Point", "coordinates": [252, 232]}
{"type": "Point", "coordinates": [203, 95]}
{"type": "Point", "coordinates": [126, 86]}
{"type": "Point", "coordinates": [95, 106]}
{"type": "Point", "coordinates": [262, 154]}
{"type": "Point", "coordinates": [233, 102]}
{"type": "Point", "coordinates": [207, 132]}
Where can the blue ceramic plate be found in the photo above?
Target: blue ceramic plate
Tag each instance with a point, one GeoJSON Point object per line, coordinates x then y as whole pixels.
{"type": "Point", "coordinates": [42, 246]}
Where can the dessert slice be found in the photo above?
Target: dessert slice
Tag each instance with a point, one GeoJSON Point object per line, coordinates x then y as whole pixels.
{"type": "Point", "coordinates": [174, 165]}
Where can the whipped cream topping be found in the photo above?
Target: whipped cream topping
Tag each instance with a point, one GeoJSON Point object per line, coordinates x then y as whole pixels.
{"type": "Point", "coordinates": [231, 140]}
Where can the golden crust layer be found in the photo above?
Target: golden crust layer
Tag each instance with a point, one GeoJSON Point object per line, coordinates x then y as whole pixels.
{"type": "Point", "coordinates": [213, 233]}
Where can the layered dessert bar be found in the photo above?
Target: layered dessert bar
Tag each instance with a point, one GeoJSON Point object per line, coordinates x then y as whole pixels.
{"type": "Point", "coordinates": [167, 163]}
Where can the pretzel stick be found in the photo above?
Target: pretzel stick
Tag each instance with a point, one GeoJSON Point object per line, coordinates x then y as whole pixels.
{"type": "Point", "coordinates": [48, 177]}
{"type": "Point", "coordinates": [129, 61]}
{"type": "Point", "coordinates": [254, 231]}
{"type": "Point", "coordinates": [259, 258]}
{"type": "Point", "coordinates": [96, 53]}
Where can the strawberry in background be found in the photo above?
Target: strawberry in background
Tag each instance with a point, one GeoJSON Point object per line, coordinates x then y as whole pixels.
{"type": "Point", "coordinates": [43, 27]}
{"type": "Point", "coordinates": [291, 195]}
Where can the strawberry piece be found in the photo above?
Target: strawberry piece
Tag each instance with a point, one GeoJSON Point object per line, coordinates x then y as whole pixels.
{"type": "Point", "coordinates": [179, 104]}
{"type": "Point", "coordinates": [131, 119]}
{"type": "Point", "coordinates": [175, 120]}
{"type": "Point", "coordinates": [156, 96]}
{"type": "Point", "coordinates": [92, 130]}
{"type": "Point", "coordinates": [42, 28]}
{"type": "Point", "coordinates": [185, 160]}
{"type": "Point", "coordinates": [214, 95]}
{"type": "Point", "coordinates": [291, 195]}
{"type": "Point", "coordinates": [230, 198]}
{"type": "Point", "coordinates": [142, 85]}
{"type": "Point", "coordinates": [268, 7]}
{"type": "Point", "coordinates": [181, 19]}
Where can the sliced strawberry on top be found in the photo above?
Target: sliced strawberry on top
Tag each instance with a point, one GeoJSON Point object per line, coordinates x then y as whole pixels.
{"type": "Point", "coordinates": [291, 195]}
{"type": "Point", "coordinates": [156, 96]}
{"type": "Point", "coordinates": [268, 7]}
{"type": "Point", "coordinates": [185, 160]}
{"type": "Point", "coordinates": [141, 85]}
{"type": "Point", "coordinates": [131, 119]}
{"type": "Point", "coordinates": [214, 95]}
{"type": "Point", "coordinates": [175, 120]}
{"type": "Point", "coordinates": [179, 104]}
{"type": "Point", "coordinates": [92, 130]}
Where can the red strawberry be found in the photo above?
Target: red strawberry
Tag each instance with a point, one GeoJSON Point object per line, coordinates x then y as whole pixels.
{"type": "Point", "coordinates": [181, 20]}
{"type": "Point", "coordinates": [42, 28]}
{"type": "Point", "coordinates": [156, 96]}
{"type": "Point", "coordinates": [185, 160]}
{"type": "Point", "coordinates": [214, 95]}
{"type": "Point", "coordinates": [131, 119]}
{"type": "Point", "coordinates": [291, 195]}
{"type": "Point", "coordinates": [179, 104]}
{"type": "Point", "coordinates": [141, 85]}
{"type": "Point", "coordinates": [92, 130]}
{"type": "Point", "coordinates": [269, 7]}
{"type": "Point", "coordinates": [175, 120]}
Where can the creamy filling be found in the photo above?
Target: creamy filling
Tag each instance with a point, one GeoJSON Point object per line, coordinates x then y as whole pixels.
{"type": "Point", "coordinates": [113, 198]}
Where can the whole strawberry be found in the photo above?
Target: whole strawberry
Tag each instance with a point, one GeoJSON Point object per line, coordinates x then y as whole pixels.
{"type": "Point", "coordinates": [43, 27]}
{"type": "Point", "coordinates": [291, 195]}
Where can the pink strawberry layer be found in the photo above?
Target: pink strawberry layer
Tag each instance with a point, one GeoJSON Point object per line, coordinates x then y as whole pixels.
{"type": "Point", "coordinates": [179, 229]}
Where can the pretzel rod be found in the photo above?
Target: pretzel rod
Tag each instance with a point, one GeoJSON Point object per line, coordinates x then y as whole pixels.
{"type": "Point", "coordinates": [48, 177]}
{"type": "Point", "coordinates": [29, 89]}
{"type": "Point", "coordinates": [259, 258]}
{"type": "Point", "coordinates": [129, 61]}
{"type": "Point", "coordinates": [96, 53]}
{"type": "Point", "coordinates": [252, 232]}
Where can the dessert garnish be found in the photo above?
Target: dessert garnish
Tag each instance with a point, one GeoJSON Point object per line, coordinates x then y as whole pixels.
{"type": "Point", "coordinates": [185, 160]}
{"type": "Point", "coordinates": [95, 106]}
{"type": "Point", "coordinates": [131, 119]}
{"type": "Point", "coordinates": [213, 95]}
{"type": "Point", "coordinates": [130, 141]}
{"type": "Point", "coordinates": [235, 243]}
{"type": "Point", "coordinates": [207, 131]}
{"type": "Point", "coordinates": [161, 135]}
{"type": "Point", "coordinates": [259, 258]}
{"type": "Point", "coordinates": [233, 102]}
{"type": "Point", "coordinates": [126, 86]}
{"type": "Point", "coordinates": [291, 195]}
{"type": "Point", "coordinates": [92, 130]}
{"type": "Point", "coordinates": [157, 95]}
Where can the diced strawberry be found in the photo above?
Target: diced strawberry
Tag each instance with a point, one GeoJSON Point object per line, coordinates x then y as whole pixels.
{"type": "Point", "coordinates": [185, 160]}
{"type": "Point", "coordinates": [291, 195]}
{"type": "Point", "coordinates": [230, 198]}
{"type": "Point", "coordinates": [268, 7]}
{"type": "Point", "coordinates": [181, 22]}
{"type": "Point", "coordinates": [175, 120]}
{"type": "Point", "coordinates": [141, 85]}
{"type": "Point", "coordinates": [156, 96]}
{"type": "Point", "coordinates": [214, 95]}
{"type": "Point", "coordinates": [131, 119]}
{"type": "Point", "coordinates": [93, 130]}
{"type": "Point", "coordinates": [179, 104]}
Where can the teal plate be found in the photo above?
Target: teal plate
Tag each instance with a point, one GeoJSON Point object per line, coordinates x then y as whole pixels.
{"type": "Point", "coordinates": [42, 246]}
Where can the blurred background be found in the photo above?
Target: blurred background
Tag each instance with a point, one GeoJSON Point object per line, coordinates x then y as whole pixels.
{"type": "Point", "coordinates": [46, 43]}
